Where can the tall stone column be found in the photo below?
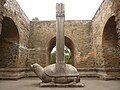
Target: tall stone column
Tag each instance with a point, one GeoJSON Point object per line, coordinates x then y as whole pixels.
{"type": "Point", "coordinates": [2, 2]}
{"type": "Point", "coordinates": [60, 41]}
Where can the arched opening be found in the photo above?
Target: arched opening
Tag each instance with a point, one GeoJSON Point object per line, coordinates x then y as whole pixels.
{"type": "Point", "coordinates": [110, 44]}
{"type": "Point", "coordinates": [69, 46]}
{"type": "Point", "coordinates": [67, 55]}
{"type": "Point", "coordinates": [9, 44]}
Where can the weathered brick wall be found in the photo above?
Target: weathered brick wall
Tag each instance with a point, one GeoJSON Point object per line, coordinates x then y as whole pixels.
{"type": "Point", "coordinates": [110, 46]}
{"type": "Point", "coordinates": [13, 11]}
{"type": "Point", "coordinates": [79, 34]}
{"type": "Point", "coordinates": [116, 4]}
{"type": "Point", "coordinates": [101, 31]}
{"type": "Point", "coordinates": [9, 40]}
{"type": "Point", "coordinates": [94, 43]}
{"type": "Point", "coordinates": [87, 37]}
{"type": "Point", "coordinates": [2, 2]}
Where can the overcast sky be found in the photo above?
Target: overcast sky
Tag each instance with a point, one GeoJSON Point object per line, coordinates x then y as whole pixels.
{"type": "Point", "coordinates": [46, 9]}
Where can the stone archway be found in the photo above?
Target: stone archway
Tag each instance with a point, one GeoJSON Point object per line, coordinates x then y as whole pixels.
{"type": "Point", "coordinates": [52, 44]}
{"type": "Point", "coordinates": [9, 44]}
{"type": "Point", "coordinates": [110, 44]}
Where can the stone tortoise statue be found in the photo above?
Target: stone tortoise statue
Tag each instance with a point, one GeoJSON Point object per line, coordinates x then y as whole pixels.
{"type": "Point", "coordinates": [48, 74]}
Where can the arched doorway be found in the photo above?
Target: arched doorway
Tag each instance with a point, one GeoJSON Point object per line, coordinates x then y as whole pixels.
{"type": "Point", "coordinates": [68, 43]}
{"type": "Point", "coordinates": [110, 44]}
{"type": "Point", "coordinates": [67, 55]}
{"type": "Point", "coordinates": [9, 44]}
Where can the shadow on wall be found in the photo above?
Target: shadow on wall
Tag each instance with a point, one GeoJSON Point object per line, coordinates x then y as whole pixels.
{"type": "Point", "coordinates": [111, 53]}
{"type": "Point", "coordinates": [9, 44]}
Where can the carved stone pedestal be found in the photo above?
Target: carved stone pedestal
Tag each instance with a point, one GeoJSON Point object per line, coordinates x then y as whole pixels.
{"type": "Point", "coordinates": [72, 84]}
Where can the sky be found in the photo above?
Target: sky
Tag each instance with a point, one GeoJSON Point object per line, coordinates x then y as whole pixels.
{"type": "Point", "coordinates": [46, 9]}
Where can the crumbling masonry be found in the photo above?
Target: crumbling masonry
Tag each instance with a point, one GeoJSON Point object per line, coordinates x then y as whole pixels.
{"type": "Point", "coordinates": [95, 44]}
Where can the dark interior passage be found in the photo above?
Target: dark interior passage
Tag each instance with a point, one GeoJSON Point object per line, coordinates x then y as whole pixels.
{"type": "Point", "coordinates": [110, 44]}
{"type": "Point", "coordinates": [9, 44]}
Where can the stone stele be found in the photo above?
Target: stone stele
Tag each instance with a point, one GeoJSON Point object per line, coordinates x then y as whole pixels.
{"type": "Point", "coordinates": [60, 73]}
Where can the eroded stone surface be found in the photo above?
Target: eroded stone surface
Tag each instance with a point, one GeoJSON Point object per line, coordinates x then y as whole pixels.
{"type": "Point", "coordinates": [83, 37]}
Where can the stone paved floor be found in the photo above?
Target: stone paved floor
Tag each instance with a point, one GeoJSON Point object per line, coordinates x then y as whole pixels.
{"type": "Point", "coordinates": [33, 84]}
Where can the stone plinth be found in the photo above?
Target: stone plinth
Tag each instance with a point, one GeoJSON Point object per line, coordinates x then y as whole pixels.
{"type": "Point", "coordinates": [62, 85]}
